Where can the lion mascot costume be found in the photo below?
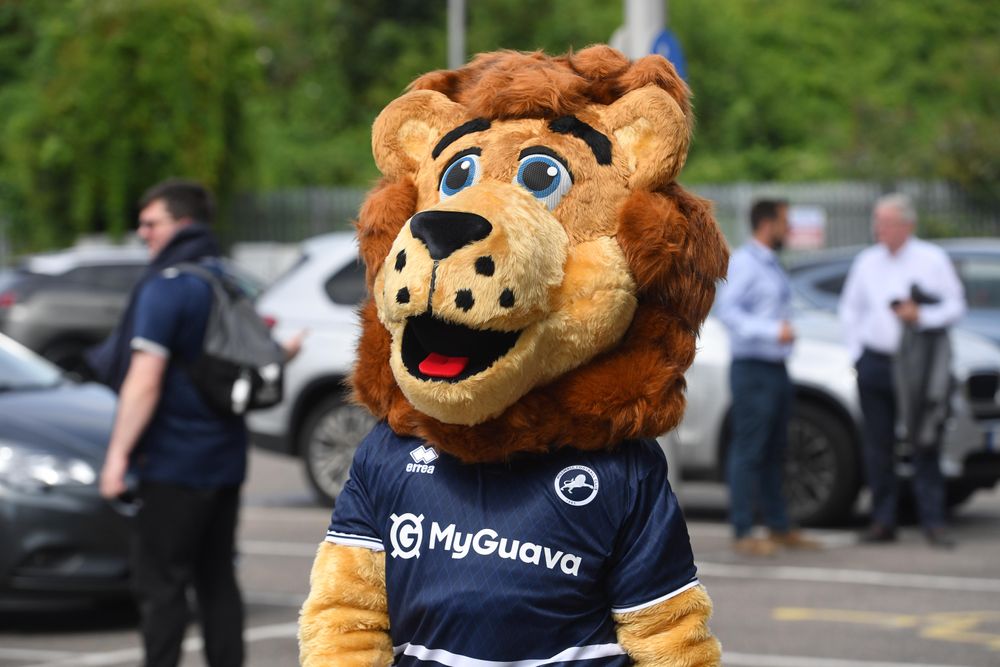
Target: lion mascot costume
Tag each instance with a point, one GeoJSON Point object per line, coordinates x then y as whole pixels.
{"type": "Point", "coordinates": [537, 281]}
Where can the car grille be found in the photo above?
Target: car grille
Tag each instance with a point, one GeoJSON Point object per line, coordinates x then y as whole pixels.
{"type": "Point", "coordinates": [981, 388]}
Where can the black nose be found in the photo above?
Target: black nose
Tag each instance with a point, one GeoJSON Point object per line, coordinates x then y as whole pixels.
{"type": "Point", "coordinates": [444, 232]}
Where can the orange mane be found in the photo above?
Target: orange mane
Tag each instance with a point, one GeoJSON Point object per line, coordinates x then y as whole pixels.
{"type": "Point", "coordinates": [673, 247]}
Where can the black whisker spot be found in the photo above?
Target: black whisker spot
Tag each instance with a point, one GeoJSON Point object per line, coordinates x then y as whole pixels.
{"type": "Point", "coordinates": [485, 266]}
{"type": "Point", "coordinates": [507, 298]}
{"type": "Point", "coordinates": [400, 260]}
{"type": "Point", "coordinates": [403, 296]}
{"type": "Point", "coordinates": [464, 300]}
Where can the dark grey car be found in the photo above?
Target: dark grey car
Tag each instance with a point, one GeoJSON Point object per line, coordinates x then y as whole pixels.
{"type": "Point", "coordinates": [59, 304]}
{"type": "Point", "coordinates": [58, 538]}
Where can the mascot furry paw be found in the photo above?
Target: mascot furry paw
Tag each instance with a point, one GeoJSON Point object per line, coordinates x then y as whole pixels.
{"type": "Point", "coordinates": [537, 282]}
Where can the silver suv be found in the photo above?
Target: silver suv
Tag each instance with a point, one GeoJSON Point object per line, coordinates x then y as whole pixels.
{"type": "Point", "coordinates": [824, 465]}
{"type": "Point", "coordinates": [315, 421]}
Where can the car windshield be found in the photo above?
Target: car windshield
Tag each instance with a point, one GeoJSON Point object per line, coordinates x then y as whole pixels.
{"type": "Point", "coordinates": [20, 368]}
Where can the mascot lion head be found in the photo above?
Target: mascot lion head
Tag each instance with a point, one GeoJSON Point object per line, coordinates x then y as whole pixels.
{"type": "Point", "coordinates": [537, 277]}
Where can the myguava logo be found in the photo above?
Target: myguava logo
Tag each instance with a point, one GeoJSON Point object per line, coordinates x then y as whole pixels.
{"type": "Point", "coordinates": [576, 485]}
{"type": "Point", "coordinates": [406, 535]}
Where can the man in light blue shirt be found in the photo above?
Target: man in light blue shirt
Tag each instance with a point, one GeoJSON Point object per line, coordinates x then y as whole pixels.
{"type": "Point", "coordinates": [755, 307]}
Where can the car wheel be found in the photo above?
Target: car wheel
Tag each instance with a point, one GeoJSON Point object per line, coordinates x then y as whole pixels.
{"type": "Point", "coordinates": [330, 435]}
{"type": "Point", "coordinates": [822, 477]}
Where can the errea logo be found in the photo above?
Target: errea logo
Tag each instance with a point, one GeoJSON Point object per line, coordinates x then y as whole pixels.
{"type": "Point", "coordinates": [422, 458]}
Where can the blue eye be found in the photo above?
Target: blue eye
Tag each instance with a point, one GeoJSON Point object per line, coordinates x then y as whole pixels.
{"type": "Point", "coordinates": [545, 177]}
{"type": "Point", "coordinates": [460, 174]}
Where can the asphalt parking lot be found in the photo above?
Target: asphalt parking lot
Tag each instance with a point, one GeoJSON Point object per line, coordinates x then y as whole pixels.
{"type": "Point", "coordinates": [848, 605]}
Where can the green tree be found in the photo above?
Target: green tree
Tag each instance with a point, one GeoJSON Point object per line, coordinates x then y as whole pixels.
{"type": "Point", "coordinates": [330, 67]}
{"type": "Point", "coordinates": [116, 95]}
{"type": "Point", "coordinates": [874, 89]}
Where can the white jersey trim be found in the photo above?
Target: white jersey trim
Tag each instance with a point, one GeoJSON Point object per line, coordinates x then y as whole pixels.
{"type": "Point", "coordinates": [349, 540]}
{"type": "Point", "coordinates": [146, 345]}
{"type": "Point", "coordinates": [450, 659]}
{"type": "Point", "coordinates": [625, 610]}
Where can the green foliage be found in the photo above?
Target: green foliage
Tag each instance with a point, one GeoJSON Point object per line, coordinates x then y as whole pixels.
{"type": "Point", "coordinates": [787, 90]}
{"type": "Point", "coordinates": [101, 98]}
{"type": "Point", "coordinates": [118, 94]}
{"type": "Point", "coordinates": [331, 67]}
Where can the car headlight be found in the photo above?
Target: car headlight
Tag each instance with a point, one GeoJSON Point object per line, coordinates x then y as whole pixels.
{"type": "Point", "coordinates": [30, 470]}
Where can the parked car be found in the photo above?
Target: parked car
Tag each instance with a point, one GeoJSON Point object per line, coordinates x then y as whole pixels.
{"type": "Point", "coordinates": [824, 463]}
{"type": "Point", "coordinates": [58, 537]}
{"type": "Point", "coordinates": [316, 421]}
{"type": "Point", "coordinates": [819, 279]}
{"type": "Point", "coordinates": [58, 304]}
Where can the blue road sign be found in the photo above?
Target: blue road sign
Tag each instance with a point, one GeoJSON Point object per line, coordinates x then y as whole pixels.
{"type": "Point", "coordinates": [667, 45]}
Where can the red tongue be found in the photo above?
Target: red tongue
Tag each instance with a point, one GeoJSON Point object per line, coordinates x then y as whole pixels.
{"type": "Point", "coordinates": [439, 366]}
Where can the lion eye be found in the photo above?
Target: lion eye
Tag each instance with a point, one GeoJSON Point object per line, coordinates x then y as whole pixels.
{"type": "Point", "coordinates": [461, 174]}
{"type": "Point", "coordinates": [544, 177]}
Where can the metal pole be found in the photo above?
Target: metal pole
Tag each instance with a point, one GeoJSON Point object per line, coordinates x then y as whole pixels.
{"type": "Point", "coordinates": [456, 33]}
{"type": "Point", "coordinates": [644, 19]}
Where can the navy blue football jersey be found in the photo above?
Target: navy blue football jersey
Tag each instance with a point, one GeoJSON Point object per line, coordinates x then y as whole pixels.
{"type": "Point", "coordinates": [515, 563]}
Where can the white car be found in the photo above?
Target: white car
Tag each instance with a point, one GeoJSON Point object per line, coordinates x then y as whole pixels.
{"type": "Point", "coordinates": [316, 422]}
{"type": "Point", "coordinates": [824, 466]}
{"type": "Point", "coordinates": [320, 293]}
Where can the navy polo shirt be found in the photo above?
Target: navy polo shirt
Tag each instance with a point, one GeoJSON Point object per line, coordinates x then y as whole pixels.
{"type": "Point", "coordinates": [186, 442]}
{"type": "Point", "coordinates": [517, 563]}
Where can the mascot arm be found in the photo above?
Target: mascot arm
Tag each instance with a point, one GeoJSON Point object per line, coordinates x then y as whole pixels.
{"type": "Point", "coordinates": [345, 619]}
{"type": "Point", "coordinates": [673, 633]}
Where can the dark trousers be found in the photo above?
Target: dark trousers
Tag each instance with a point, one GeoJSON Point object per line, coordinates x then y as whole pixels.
{"type": "Point", "coordinates": [183, 538]}
{"type": "Point", "coordinates": [762, 401]}
{"type": "Point", "coordinates": [878, 406]}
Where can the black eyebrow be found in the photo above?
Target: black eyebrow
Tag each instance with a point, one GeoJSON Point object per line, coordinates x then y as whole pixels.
{"type": "Point", "coordinates": [599, 144]}
{"type": "Point", "coordinates": [474, 125]}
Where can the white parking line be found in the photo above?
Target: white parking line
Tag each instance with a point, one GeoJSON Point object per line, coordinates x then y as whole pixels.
{"type": "Point", "coordinates": [861, 577]}
{"type": "Point", "coordinates": [319, 516]}
{"type": "Point", "coordinates": [709, 569]}
{"type": "Point", "coordinates": [828, 538]}
{"type": "Point", "coordinates": [191, 644]}
{"type": "Point", "coordinates": [32, 654]}
{"type": "Point", "coordinates": [275, 599]}
{"type": "Point", "coordinates": [753, 660]}
{"type": "Point", "coordinates": [272, 548]}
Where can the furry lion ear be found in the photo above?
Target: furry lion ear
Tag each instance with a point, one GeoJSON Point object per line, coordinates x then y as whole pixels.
{"type": "Point", "coordinates": [407, 130]}
{"type": "Point", "coordinates": [653, 133]}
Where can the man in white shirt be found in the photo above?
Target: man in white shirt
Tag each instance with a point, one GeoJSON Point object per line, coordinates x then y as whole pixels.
{"type": "Point", "coordinates": [877, 302]}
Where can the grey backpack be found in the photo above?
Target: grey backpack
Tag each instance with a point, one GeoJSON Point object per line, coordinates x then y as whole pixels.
{"type": "Point", "coordinates": [240, 367]}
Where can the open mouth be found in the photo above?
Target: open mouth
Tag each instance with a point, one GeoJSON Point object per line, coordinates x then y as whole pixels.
{"type": "Point", "coordinates": [437, 350]}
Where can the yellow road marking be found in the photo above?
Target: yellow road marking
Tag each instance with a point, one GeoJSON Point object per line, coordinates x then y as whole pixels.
{"type": "Point", "coordinates": [965, 627]}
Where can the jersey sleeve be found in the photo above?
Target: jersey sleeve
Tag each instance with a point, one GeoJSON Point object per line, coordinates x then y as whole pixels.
{"type": "Point", "coordinates": [652, 561]}
{"type": "Point", "coordinates": [353, 522]}
{"type": "Point", "coordinates": [162, 309]}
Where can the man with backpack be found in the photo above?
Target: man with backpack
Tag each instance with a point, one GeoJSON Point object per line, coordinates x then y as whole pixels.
{"type": "Point", "coordinates": [188, 454]}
